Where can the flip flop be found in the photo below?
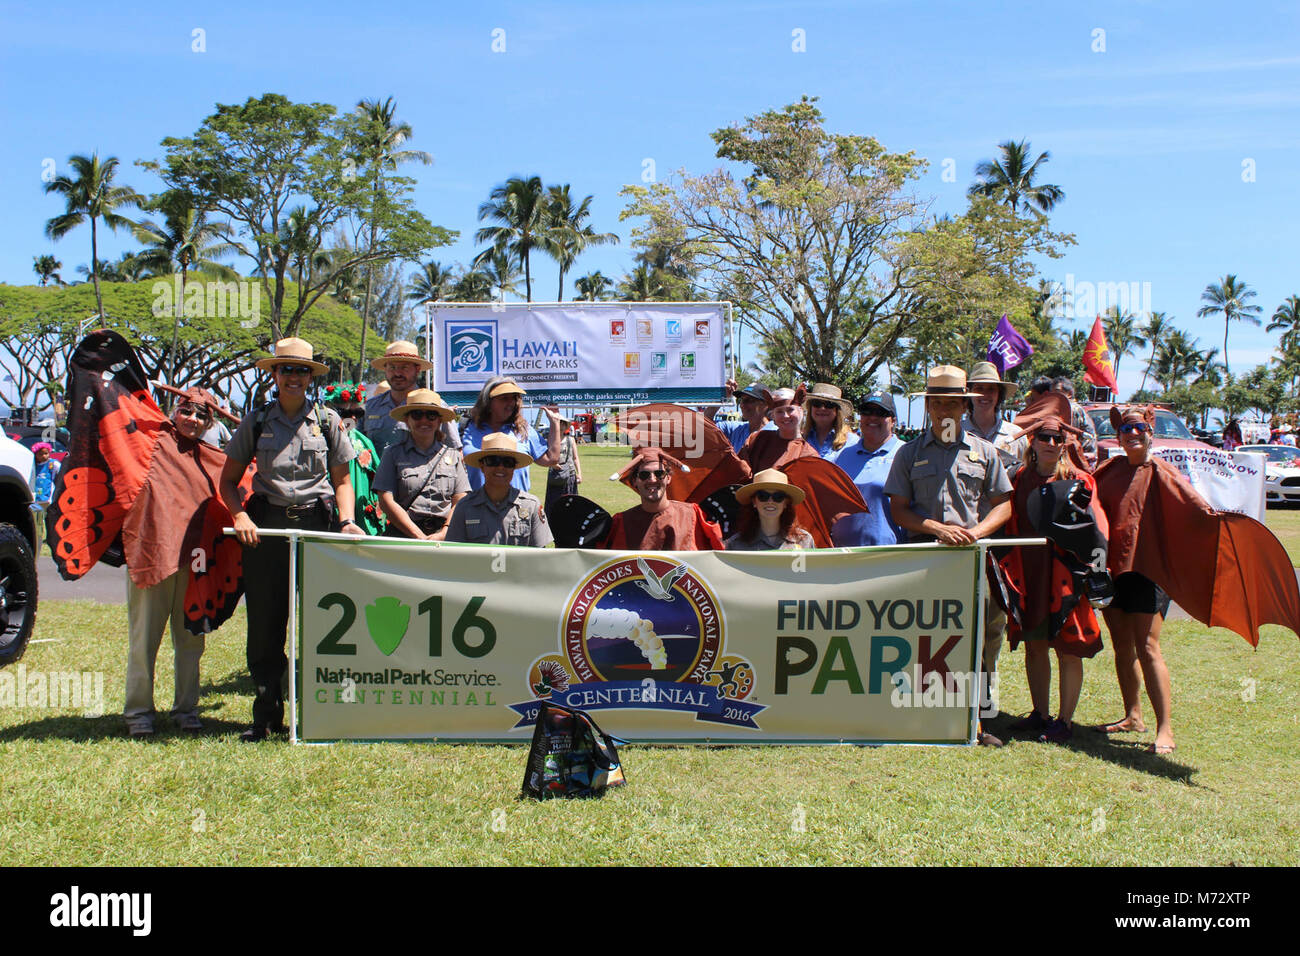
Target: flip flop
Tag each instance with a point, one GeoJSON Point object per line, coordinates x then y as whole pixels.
{"type": "Point", "coordinates": [1117, 727]}
{"type": "Point", "coordinates": [1161, 748]}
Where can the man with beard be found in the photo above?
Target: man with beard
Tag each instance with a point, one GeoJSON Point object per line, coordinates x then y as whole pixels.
{"type": "Point", "coordinates": [658, 523]}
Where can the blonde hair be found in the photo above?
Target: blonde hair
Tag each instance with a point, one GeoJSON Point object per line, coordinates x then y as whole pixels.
{"type": "Point", "coordinates": [1064, 467]}
{"type": "Point", "coordinates": [840, 428]}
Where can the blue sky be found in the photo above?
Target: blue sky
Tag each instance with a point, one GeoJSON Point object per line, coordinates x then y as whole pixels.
{"type": "Point", "coordinates": [1148, 137]}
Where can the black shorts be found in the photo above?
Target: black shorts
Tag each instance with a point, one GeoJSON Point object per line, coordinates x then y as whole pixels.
{"type": "Point", "coordinates": [1139, 595]}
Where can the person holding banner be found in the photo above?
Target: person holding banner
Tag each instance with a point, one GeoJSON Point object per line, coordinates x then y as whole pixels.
{"type": "Point", "coordinates": [498, 512]}
{"type": "Point", "coordinates": [499, 409]}
{"type": "Point", "coordinates": [421, 478]}
{"type": "Point", "coordinates": [302, 475]}
{"type": "Point", "coordinates": [767, 521]}
{"type": "Point", "coordinates": [753, 413]}
{"type": "Point", "coordinates": [658, 523]}
{"type": "Point", "coordinates": [868, 462]}
{"type": "Point", "coordinates": [772, 449]}
{"type": "Point", "coordinates": [948, 485]}
{"type": "Point", "coordinates": [827, 425]}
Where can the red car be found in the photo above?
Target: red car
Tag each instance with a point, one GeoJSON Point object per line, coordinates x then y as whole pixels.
{"type": "Point", "coordinates": [1170, 432]}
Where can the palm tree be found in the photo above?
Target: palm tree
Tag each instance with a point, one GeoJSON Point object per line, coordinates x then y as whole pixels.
{"type": "Point", "coordinates": [1229, 298]}
{"type": "Point", "coordinates": [1010, 179]}
{"type": "Point", "coordinates": [1157, 325]}
{"type": "Point", "coordinates": [431, 284]}
{"type": "Point", "coordinates": [502, 274]}
{"type": "Point", "coordinates": [47, 269]}
{"type": "Point", "coordinates": [1178, 356]}
{"type": "Point", "coordinates": [642, 284]}
{"type": "Point", "coordinates": [592, 287]}
{"type": "Point", "coordinates": [1286, 317]}
{"type": "Point", "coordinates": [382, 135]}
{"type": "Point", "coordinates": [569, 235]}
{"type": "Point", "coordinates": [518, 206]}
{"type": "Point", "coordinates": [90, 194]}
{"type": "Point", "coordinates": [473, 286]}
{"type": "Point", "coordinates": [185, 240]}
{"type": "Point", "coordinates": [1122, 334]}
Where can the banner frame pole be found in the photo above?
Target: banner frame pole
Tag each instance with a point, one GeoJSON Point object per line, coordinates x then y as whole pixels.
{"type": "Point", "coordinates": [981, 583]}
{"type": "Point", "coordinates": [293, 637]}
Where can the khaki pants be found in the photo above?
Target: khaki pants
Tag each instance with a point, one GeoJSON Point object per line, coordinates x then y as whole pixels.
{"type": "Point", "coordinates": [147, 611]}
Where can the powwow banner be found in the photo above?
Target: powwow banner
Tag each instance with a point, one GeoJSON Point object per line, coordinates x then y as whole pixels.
{"type": "Point", "coordinates": [1228, 480]}
{"type": "Point", "coordinates": [568, 354]}
{"type": "Point", "coordinates": [463, 642]}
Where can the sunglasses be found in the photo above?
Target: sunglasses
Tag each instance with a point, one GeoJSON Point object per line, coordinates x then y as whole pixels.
{"type": "Point", "coordinates": [496, 461]}
{"type": "Point", "coordinates": [423, 416]}
{"type": "Point", "coordinates": [1140, 427]}
{"type": "Point", "coordinates": [1051, 439]}
{"type": "Point", "coordinates": [818, 403]}
{"type": "Point", "coordinates": [294, 369]}
{"type": "Point", "coordinates": [352, 413]}
{"type": "Point", "coordinates": [777, 496]}
{"type": "Point", "coordinates": [646, 475]}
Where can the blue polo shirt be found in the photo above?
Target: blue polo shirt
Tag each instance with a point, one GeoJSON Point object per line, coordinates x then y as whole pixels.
{"type": "Point", "coordinates": [826, 451]}
{"type": "Point", "coordinates": [472, 440]}
{"type": "Point", "coordinates": [738, 432]}
{"type": "Point", "coordinates": [869, 470]}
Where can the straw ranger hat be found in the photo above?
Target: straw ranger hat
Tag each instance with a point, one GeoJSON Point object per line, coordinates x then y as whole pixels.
{"type": "Point", "coordinates": [499, 443]}
{"type": "Point", "coordinates": [945, 381]}
{"type": "Point", "coordinates": [830, 393]}
{"type": "Point", "coordinates": [401, 351]}
{"type": "Point", "coordinates": [770, 480]}
{"type": "Point", "coordinates": [292, 352]}
{"type": "Point", "coordinates": [423, 399]}
{"type": "Point", "coordinates": [986, 373]}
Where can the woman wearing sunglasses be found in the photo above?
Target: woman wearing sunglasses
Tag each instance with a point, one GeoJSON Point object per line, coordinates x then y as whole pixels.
{"type": "Point", "coordinates": [497, 512]}
{"type": "Point", "coordinates": [767, 521]}
{"type": "Point", "coordinates": [828, 420]}
{"type": "Point", "coordinates": [1054, 613]}
{"type": "Point", "coordinates": [421, 477]}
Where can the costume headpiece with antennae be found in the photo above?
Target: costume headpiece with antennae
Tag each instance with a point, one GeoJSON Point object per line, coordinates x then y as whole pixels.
{"type": "Point", "coordinates": [198, 396]}
{"type": "Point", "coordinates": [786, 396]}
{"type": "Point", "coordinates": [648, 456]}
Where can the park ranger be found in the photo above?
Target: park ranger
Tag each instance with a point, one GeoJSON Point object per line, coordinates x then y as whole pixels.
{"type": "Point", "coordinates": [420, 478]}
{"type": "Point", "coordinates": [985, 415]}
{"type": "Point", "coordinates": [949, 485]}
{"type": "Point", "coordinates": [401, 364]}
{"type": "Point", "coordinates": [498, 513]}
{"type": "Point", "coordinates": [302, 478]}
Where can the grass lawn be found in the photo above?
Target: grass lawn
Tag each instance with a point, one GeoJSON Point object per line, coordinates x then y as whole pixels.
{"type": "Point", "coordinates": [77, 791]}
{"type": "Point", "coordinates": [1284, 521]}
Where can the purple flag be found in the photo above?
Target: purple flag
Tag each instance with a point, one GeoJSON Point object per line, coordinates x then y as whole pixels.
{"type": "Point", "coordinates": [1007, 347]}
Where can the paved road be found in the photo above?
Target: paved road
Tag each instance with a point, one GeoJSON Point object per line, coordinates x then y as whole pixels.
{"type": "Point", "coordinates": [102, 583]}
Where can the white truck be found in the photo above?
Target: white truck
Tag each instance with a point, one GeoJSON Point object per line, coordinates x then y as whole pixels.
{"type": "Point", "coordinates": [18, 589]}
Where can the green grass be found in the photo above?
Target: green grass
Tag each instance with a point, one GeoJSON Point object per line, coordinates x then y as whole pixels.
{"type": "Point", "coordinates": [598, 463]}
{"type": "Point", "coordinates": [78, 792]}
{"type": "Point", "coordinates": [1284, 522]}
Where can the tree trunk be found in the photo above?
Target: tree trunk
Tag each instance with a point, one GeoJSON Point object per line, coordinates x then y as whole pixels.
{"type": "Point", "coordinates": [176, 328]}
{"type": "Point", "coordinates": [94, 267]}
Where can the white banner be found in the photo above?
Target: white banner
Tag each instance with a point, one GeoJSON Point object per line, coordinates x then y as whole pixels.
{"type": "Point", "coordinates": [583, 354]}
{"type": "Point", "coordinates": [1228, 480]}
{"type": "Point", "coordinates": [463, 642]}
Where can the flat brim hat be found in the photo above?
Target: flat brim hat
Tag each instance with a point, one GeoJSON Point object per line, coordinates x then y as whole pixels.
{"type": "Point", "coordinates": [770, 480]}
{"type": "Point", "coordinates": [401, 351]}
{"type": "Point", "coordinates": [986, 373]}
{"type": "Point", "coordinates": [946, 381]}
{"type": "Point", "coordinates": [292, 352]}
{"type": "Point", "coordinates": [821, 391]}
{"type": "Point", "coordinates": [498, 443]}
{"type": "Point", "coordinates": [423, 399]}
{"type": "Point", "coordinates": [506, 388]}
{"type": "Point", "coordinates": [881, 400]}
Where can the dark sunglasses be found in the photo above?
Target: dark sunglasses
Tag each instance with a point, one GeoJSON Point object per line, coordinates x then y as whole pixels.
{"type": "Point", "coordinates": [1141, 427]}
{"type": "Point", "coordinates": [818, 403]}
{"type": "Point", "coordinates": [646, 474]}
{"type": "Point", "coordinates": [352, 413]}
{"type": "Point", "coordinates": [1051, 439]}
{"type": "Point", "coordinates": [294, 369]}
{"type": "Point", "coordinates": [777, 496]}
{"type": "Point", "coordinates": [497, 461]}
{"type": "Point", "coordinates": [423, 416]}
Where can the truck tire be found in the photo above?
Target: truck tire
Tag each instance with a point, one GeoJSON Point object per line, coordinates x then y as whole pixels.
{"type": "Point", "coordinates": [17, 593]}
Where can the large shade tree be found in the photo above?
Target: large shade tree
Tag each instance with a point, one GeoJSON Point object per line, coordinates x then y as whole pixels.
{"type": "Point", "coordinates": [89, 193]}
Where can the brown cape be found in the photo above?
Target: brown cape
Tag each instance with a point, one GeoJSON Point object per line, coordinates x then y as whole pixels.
{"type": "Point", "coordinates": [1224, 569]}
{"type": "Point", "coordinates": [768, 449]}
{"type": "Point", "coordinates": [681, 527]}
{"type": "Point", "coordinates": [689, 437]}
{"type": "Point", "coordinates": [831, 495]}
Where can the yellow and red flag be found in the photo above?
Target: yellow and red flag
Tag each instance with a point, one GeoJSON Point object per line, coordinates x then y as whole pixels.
{"type": "Point", "coordinates": [1098, 366]}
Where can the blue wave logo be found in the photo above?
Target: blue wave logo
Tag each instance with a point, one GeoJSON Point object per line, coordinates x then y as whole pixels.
{"type": "Point", "coordinates": [471, 351]}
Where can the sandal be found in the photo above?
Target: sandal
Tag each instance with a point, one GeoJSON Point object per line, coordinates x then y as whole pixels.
{"type": "Point", "coordinates": [1161, 748]}
{"type": "Point", "coordinates": [1120, 727]}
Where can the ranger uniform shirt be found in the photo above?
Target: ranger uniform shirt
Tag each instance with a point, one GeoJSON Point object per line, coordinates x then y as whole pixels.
{"type": "Point", "coordinates": [1011, 449]}
{"type": "Point", "coordinates": [519, 519]}
{"type": "Point", "coordinates": [294, 454]}
{"type": "Point", "coordinates": [953, 484]}
{"type": "Point", "coordinates": [422, 482]}
{"type": "Point", "coordinates": [384, 430]}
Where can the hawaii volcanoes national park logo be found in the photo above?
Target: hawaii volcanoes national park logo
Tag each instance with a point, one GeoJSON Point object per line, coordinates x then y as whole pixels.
{"type": "Point", "coordinates": [644, 632]}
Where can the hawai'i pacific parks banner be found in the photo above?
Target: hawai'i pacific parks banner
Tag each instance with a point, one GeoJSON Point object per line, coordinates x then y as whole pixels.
{"type": "Point", "coordinates": [569, 354]}
{"type": "Point", "coordinates": [461, 642]}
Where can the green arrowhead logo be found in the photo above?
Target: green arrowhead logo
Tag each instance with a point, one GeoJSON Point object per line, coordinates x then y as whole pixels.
{"type": "Point", "coordinates": [387, 619]}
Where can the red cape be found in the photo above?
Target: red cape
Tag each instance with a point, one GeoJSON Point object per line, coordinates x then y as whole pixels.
{"type": "Point", "coordinates": [831, 495]}
{"type": "Point", "coordinates": [1224, 569]}
{"type": "Point", "coordinates": [768, 449]}
{"type": "Point", "coordinates": [682, 527]}
{"type": "Point", "coordinates": [689, 437]}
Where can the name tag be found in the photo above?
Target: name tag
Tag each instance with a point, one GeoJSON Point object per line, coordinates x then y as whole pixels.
{"type": "Point", "coordinates": [974, 456]}
{"type": "Point", "coordinates": [921, 461]}
{"type": "Point", "coordinates": [471, 520]}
